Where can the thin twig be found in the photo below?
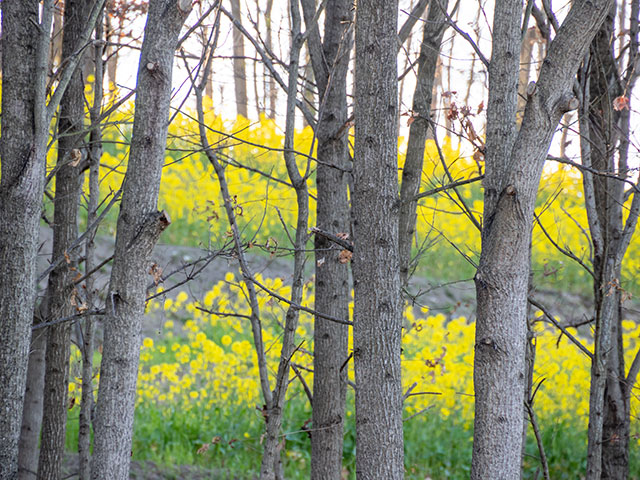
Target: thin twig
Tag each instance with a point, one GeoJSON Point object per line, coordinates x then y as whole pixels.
{"type": "Point", "coordinates": [536, 432]}
{"type": "Point", "coordinates": [442, 188]}
{"type": "Point", "coordinates": [426, 409]}
{"type": "Point", "coordinates": [577, 342]}
{"type": "Point", "coordinates": [464, 35]}
{"type": "Point", "coordinates": [78, 241]}
{"type": "Point", "coordinates": [299, 307]}
{"type": "Point", "coordinates": [222, 314]}
{"type": "Point", "coordinates": [307, 391]}
{"type": "Point", "coordinates": [564, 251]}
{"type": "Point", "coordinates": [346, 244]}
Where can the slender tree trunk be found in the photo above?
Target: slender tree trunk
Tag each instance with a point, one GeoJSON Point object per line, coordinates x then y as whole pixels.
{"type": "Point", "coordinates": [514, 162]}
{"type": "Point", "coordinates": [271, 467]}
{"type": "Point", "coordinates": [139, 226]}
{"type": "Point", "coordinates": [60, 290]}
{"type": "Point", "coordinates": [113, 39]}
{"type": "Point", "coordinates": [330, 62]}
{"type": "Point", "coordinates": [433, 32]}
{"type": "Point", "coordinates": [239, 66]}
{"type": "Point", "coordinates": [33, 397]}
{"type": "Point", "coordinates": [21, 189]}
{"type": "Point", "coordinates": [94, 153]}
{"type": "Point", "coordinates": [526, 57]}
{"type": "Point", "coordinates": [376, 277]}
{"type": "Point", "coordinates": [604, 132]}
{"type": "Point", "coordinates": [272, 90]}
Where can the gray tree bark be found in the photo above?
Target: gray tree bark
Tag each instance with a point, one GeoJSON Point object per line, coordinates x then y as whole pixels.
{"type": "Point", "coordinates": [514, 162]}
{"type": "Point", "coordinates": [95, 153]}
{"type": "Point", "coordinates": [271, 90]}
{"type": "Point", "coordinates": [271, 467]}
{"type": "Point", "coordinates": [21, 189]}
{"type": "Point", "coordinates": [239, 65]}
{"type": "Point", "coordinates": [60, 295]}
{"type": "Point", "coordinates": [433, 32]}
{"type": "Point", "coordinates": [139, 226]}
{"type": "Point", "coordinates": [33, 398]}
{"type": "Point", "coordinates": [605, 144]}
{"type": "Point", "coordinates": [25, 130]}
{"type": "Point", "coordinates": [376, 277]}
{"type": "Point", "coordinates": [330, 62]}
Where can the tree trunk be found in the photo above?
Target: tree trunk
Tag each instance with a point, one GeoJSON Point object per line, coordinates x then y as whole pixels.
{"type": "Point", "coordinates": [21, 189]}
{"type": "Point", "coordinates": [330, 62]}
{"type": "Point", "coordinates": [271, 88]}
{"type": "Point", "coordinates": [605, 132]}
{"type": "Point", "coordinates": [95, 153]}
{"type": "Point", "coordinates": [33, 397]}
{"type": "Point", "coordinates": [139, 226]}
{"type": "Point", "coordinates": [433, 32]}
{"type": "Point", "coordinates": [377, 307]}
{"type": "Point", "coordinates": [514, 164]}
{"type": "Point", "coordinates": [239, 67]}
{"type": "Point", "coordinates": [60, 290]}
{"type": "Point", "coordinates": [271, 467]}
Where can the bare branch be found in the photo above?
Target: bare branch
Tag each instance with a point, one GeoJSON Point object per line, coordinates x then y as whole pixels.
{"type": "Point", "coordinates": [73, 62]}
{"type": "Point", "coordinates": [457, 183]}
{"type": "Point", "coordinates": [333, 237]}
{"type": "Point", "coordinates": [544, 311]}
{"type": "Point", "coordinates": [564, 251]}
{"type": "Point", "coordinates": [536, 432]}
{"type": "Point", "coordinates": [412, 18]}
{"type": "Point", "coordinates": [466, 36]}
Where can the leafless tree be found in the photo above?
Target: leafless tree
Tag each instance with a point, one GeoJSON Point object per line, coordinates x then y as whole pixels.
{"type": "Point", "coordinates": [62, 299]}
{"type": "Point", "coordinates": [376, 276]}
{"type": "Point", "coordinates": [330, 61]}
{"type": "Point", "coordinates": [514, 160]}
{"type": "Point", "coordinates": [139, 225]}
{"type": "Point", "coordinates": [27, 112]}
{"type": "Point", "coordinates": [606, 85]}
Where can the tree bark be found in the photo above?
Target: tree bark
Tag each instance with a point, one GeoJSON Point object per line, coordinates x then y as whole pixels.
{"type": "Point", "coordinates": [604, 141]}
{"type": "Point", "coordinates": [330, 62]}
{"type": "Point", "coordinates": [376, 277]}
{"type": "Point", "coordinates": [33, 397]}
{"type": "Point", "coordinates": [271, 89]}
{"type": "Point", "coordinates": [60, 290]}
{"type": "Point", "coordinates": [239, 66]}
{"type": "Point", "coordinates": [433, 32]}
{"type": "Point", "coordinates": [88, 332]}
{"type": "Point", "coordinates": [514, 164]}
{"type": "Point", "coordinates": [271, 467]}
{"type": "Point", "coordinates": [139, 226]}
{"type": "Point", "coordinates": [21, 189]}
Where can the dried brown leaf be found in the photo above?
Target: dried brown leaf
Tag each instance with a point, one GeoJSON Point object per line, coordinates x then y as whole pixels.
{"type": "Point", "coordinates": [156, 272]}
{"type": "Point", "coordinates": [76, 156]}
{"type": "Point", "coordinates": [345, 256]}
{"type": "Point", "coordinates": [621, 103]}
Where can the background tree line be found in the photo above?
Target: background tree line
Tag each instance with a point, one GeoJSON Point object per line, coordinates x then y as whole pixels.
{"type": "Point", "coordinates": [337, 72]}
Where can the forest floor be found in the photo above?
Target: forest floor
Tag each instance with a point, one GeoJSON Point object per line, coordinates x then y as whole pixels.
{"type": "Point", "coordinates": [453, 299]}
{"type": "Point", "coordinates": [147, 470]}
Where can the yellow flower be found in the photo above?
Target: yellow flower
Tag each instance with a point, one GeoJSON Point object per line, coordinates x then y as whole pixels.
{"type": "Point", "coordinates": [226, 340]}
{"type": "Point", "coordinates": [182, 297]}
{"type": "Point", "coordinates": [147, 342]}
